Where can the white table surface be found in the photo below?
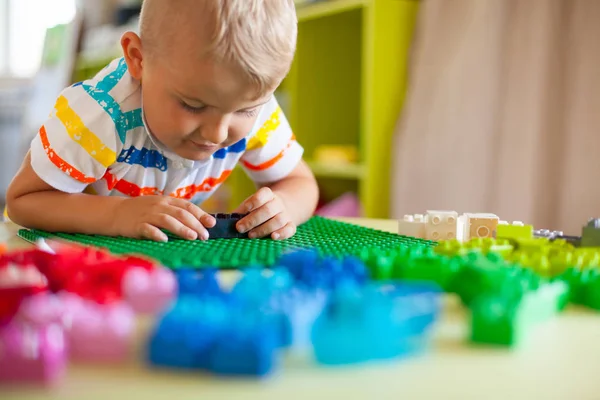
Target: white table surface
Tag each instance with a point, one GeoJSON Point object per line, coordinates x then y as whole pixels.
{"type": "Point", "coordinates": [560, 360]}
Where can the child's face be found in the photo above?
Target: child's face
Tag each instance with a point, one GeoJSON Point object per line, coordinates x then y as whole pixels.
{"type": "Point", "coordinates": [194, 108]}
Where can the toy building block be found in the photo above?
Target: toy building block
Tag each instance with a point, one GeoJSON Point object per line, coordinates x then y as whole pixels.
{"type": "Point", "coordinates": [32, 344]}
{"type": "Point", "coordinates": [373, 322]}
{"type": "Point", "coordinates": [326, 236]}
{"type": "Point", "coordinates": [309, 269]}
{"type": "Point", "coordinates": [245, 351]}
{"type": "Point", "coordinates": [482, 274]}
{"type": "Point", "coordinates": [425, 266]}
{"type": "Point", "coordinates": [99, 332]}
{"type": "Point", "coordinates": [478, 225]}
{"type": "Point", "coordinates": [183, 336]}
{"type": "Point", "coordinates": [412, 225]}
{"type": "Point", "coordinates": [225, 227]}
{"type": "Point", "coordinates": [149, 292]}
{"type": "Point", "coordinates": [212, 335]}
{"type": "Point", "coordinates": [292, 305]}
{"type": "Point", "coordinates": [32, 354]}
{"type": "Point", "coordinates": [441, 225]}
{"type": "Point", "coordinates": [590, 235]}
{"type": "Point", "coordinates": [516, 230]}
{"type": "Point", "coordinates": [502, 320]}
{"type": "Point", "coordinates": [591, 296]}
{"type": "Point", "coordinates": [16, 284]}
{"type": "Point", "coordinates": [557, 235]}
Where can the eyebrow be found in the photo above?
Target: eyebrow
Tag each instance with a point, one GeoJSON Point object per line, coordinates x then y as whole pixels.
{"type": "Point", "coordinates": [193, 100]}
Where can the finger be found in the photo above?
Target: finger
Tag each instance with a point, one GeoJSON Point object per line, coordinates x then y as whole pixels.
{"type": "Point", "coordinates": [175, 225]}
{"type": "Point", "coordinates": [150, 232]}
{"type": "Point", "coordinates": [259, 216]}
{"type": "Point", "coordinates": [272, 225]}
{"type": "Point", "coordinates": [258, 199]}
{"type": "Point", "coordinates": [189, 220]}
{"type": "Point", "coordinates": [286, 232]}
{"type": "Point", "coordinates": [205, 218]}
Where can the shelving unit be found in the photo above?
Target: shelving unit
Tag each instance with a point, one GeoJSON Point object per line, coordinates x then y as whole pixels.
{"type": "Point", "coordinates": [346, 87]}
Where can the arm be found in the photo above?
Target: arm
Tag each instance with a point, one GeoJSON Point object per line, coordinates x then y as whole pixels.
{"type": "Point", "coordinates": [33, 203]}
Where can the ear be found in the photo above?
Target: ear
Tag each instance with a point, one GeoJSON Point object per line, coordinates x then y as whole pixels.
{"type": "Point", "coordinates": [132, 50]}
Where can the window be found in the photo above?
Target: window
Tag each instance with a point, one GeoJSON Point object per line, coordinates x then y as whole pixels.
{"type": "Point", "coordinates": [23, 25]}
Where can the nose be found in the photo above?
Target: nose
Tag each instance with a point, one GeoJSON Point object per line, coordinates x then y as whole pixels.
{"type": "Point", "coordinates": [215, 129]}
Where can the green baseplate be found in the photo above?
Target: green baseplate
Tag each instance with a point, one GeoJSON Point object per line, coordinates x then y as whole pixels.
{"type": "Point", "coordinates": [327, 237]}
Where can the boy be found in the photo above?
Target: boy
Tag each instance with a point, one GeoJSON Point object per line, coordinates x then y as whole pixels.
{"type": "Point", "coordinates": [130, 151]}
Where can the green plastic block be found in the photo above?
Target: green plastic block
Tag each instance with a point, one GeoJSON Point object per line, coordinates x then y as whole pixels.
{"type": "Point", "coordinates": [592, 292]}
{"type": "Point", "coordinates": [496, 320]}
{"type": "Point", "coordinates": [590, 234]}
{"type": "Point", "coordinates": [380, 263]}
{"type": "Point", "coordinates": [506, 320]}
{"type": "Point", "coordinates": [507, 231]}
{"type": "Point", "coordinates": [426, 265]}
{"type": "Point", "coordinates": [328, 237]}
{"type": "Point", "coordinates": [488, 274]}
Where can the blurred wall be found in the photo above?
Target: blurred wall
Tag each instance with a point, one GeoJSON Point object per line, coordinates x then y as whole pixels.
{"type": "Point", "coordinates": [503, 113]}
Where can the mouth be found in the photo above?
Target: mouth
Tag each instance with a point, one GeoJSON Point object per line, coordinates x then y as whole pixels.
{"type": "Point", "coordinates": [204, 147]}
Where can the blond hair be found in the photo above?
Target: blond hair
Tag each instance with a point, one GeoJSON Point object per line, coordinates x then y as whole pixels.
{"type": "Point", "coordinates": [257, 36]}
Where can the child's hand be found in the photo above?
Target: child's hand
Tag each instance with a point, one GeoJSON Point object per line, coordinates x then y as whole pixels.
{"type": "Point", "coordinates": [145, 216]}
{"type": "Point", "coordinates": [267, 216]}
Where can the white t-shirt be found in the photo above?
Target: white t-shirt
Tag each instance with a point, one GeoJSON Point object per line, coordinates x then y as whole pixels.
{"type": "Point", "coordinates": [95, 140]}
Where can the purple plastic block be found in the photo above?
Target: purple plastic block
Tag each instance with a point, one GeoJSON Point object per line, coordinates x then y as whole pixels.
{"type": "Point", "coordinates": [32, 354]}
{"type": "Point", "coordinates": [100, 332]}
{"type": "Point", "coordinates": [149, 292]}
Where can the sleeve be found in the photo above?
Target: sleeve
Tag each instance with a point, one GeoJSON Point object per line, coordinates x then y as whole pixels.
{"type": "Point", "coordinates": [272, 151]}
{"type": "Point", "coordinates": [76, 144]}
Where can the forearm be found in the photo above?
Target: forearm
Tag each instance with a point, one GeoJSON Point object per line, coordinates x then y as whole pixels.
{"type": "Point", "coordinates": [63, 212]}
{"type": "Point", "coordinates": [299, 194]}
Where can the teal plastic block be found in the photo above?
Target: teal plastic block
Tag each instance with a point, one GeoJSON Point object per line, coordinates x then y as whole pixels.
{"type": "Point", "coordinates": [327, 237]}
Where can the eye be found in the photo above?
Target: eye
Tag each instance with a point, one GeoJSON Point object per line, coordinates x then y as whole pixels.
{"type": "Point", "coordinates": [187, 107]}
{"type": "Point", "coordinates": [249, 113]}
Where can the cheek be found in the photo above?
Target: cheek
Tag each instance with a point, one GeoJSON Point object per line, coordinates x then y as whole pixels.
{"type": "Point", "coordinates": [240, 128]}
{"type": "Point", "coordinates": [166, 119]}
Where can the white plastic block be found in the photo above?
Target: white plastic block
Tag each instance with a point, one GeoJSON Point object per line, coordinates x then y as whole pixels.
{"type": "Point", "coordinates": [479, 225]}
{"type": "Point", "coordinates": [412, 225]}
{"type": "Point", "coordinates": [441, 225]}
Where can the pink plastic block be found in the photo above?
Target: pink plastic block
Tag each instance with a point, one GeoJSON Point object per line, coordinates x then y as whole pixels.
{"type": "Point", "coordinates": [347, 205]}
{"type": "Point", "coordinates": [149, 291]}
{"type": "Point", "coordinates": [32, 354]}
{"type": "Point", "coordinates": [98, 332]}
{"type": "Point", "coordinates": [43, 309]}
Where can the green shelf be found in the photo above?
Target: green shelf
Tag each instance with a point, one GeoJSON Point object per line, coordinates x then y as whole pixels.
{"type": "Point", "coordinates": [336, 170]}
{"type": "Point", "coordinates": [318, 9]}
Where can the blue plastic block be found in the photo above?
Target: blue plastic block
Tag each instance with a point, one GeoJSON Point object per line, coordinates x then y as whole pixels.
{"type": "Point", "coordinates": [309, 270]}
{"type": "Point", "coordinates": [257, 285]}
{"type": "Point", "coordinates": [295, 262]}
{"type": "Point", "coordinates": [246, 350]}
{"type": "Point", "coordinates": [297, 310]}
{"type": "Point", "coordinates": [199, 282]}
{"type": "Point", "coordinates": [184, 335]}
{"type": "Point", "coordinates": [378, 321]}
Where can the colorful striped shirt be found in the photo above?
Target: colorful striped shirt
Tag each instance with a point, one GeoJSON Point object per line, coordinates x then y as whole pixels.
{"type": "Point", "coordinates": [96, 140]}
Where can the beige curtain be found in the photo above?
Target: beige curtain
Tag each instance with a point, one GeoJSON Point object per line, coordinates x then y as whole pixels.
{"type": "Point", "coordinates": [503, 112]}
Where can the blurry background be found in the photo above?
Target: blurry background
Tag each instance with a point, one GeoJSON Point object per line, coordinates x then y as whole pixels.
{"type": "Point", "coordinates": [401, 105]}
